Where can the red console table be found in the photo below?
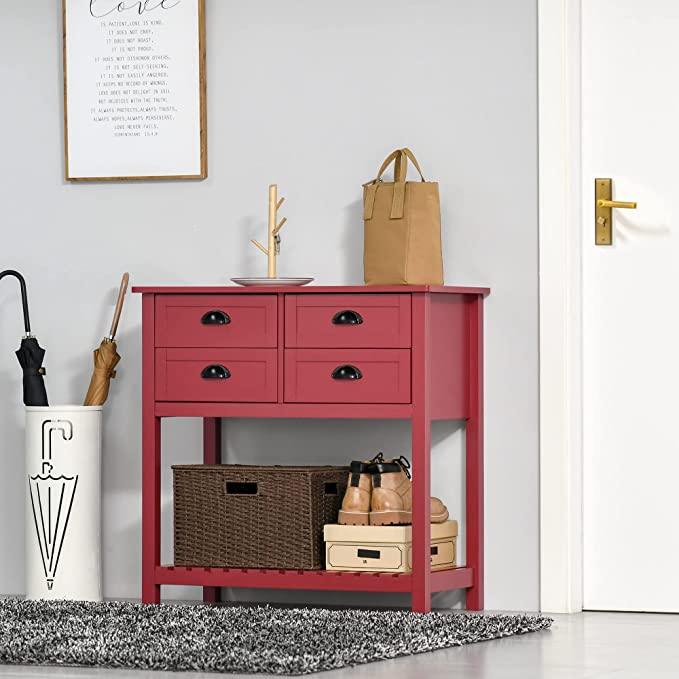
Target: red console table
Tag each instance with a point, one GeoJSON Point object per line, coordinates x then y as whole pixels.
{"type": "Point", "coordinates": [418, 350]}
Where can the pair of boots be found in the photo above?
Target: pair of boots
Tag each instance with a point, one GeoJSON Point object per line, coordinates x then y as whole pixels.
{"type": "Point", "coordinates": [379, 493]}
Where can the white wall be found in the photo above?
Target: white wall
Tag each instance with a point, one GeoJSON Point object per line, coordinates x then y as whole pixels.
{"type": "Point", "coordinates": [311, 95]}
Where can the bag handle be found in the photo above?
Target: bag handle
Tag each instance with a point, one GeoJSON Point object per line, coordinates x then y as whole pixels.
{"type": "Point", "coordinates": [401, 156]}
{"type": "Point", "coordinates": [400, 159]}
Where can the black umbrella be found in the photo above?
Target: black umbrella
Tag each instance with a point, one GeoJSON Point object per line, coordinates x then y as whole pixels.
{"type": "Point", "coordinates": [30, 353]}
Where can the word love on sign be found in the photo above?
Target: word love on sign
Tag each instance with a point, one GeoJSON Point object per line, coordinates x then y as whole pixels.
{"type": "Point", "coordinates": [104, 8]}
{"type": "Point", "coordinates": [134, 89]}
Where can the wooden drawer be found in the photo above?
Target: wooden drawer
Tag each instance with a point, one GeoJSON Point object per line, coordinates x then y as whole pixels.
{"type": "Point", "coordinates": [347, 321]}
{"type": "Point", "coordinates": [216, 321]}
{"type": "Point", "coordinates": [347, 376]}
{"type": "Point", "coordinates": [220, 375]}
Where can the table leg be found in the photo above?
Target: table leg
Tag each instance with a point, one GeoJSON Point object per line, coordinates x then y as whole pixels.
{"type": "Point", "coordinates": [150, 523]}
{"type": "Point", "coordinates": [212, 454]}
{"type": "Point", "coordinates": [474, 459]}
{"type": "Point", "coordinates": [421, 453]}
{"type": "Point", "coordinates": [421, 554]}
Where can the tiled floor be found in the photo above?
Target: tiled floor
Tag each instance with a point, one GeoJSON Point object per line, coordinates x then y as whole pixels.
{"type": "Point", "coordinates": [586, 646]}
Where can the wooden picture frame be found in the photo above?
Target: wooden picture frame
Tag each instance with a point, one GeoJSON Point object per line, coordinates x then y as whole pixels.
{"type": "Point", "coordinates": [102, 142]}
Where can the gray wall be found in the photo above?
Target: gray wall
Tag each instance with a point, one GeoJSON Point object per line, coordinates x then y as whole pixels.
{"type": "Point", "coordinates": [311, 95]}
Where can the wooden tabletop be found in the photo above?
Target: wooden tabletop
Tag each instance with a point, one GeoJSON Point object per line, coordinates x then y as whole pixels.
{"type": "Point", "coordinates": [344, 289]}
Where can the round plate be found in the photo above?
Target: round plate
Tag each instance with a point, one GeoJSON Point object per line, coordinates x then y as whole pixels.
{"type": "Point", "coordinates": [271, 281]}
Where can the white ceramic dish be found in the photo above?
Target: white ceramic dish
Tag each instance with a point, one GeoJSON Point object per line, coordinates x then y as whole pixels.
{"type": "Point", "coordinates": [271, 281]}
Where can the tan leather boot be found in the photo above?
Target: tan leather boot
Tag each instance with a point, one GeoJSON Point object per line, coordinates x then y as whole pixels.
{"type": "Point", "coordinates": [392, 500]}
{"type": "Point", "coordinates": [356, 502]}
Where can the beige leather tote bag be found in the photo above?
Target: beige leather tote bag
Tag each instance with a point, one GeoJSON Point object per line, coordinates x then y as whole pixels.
{"type": "Point", "coordinates": [402, 227]}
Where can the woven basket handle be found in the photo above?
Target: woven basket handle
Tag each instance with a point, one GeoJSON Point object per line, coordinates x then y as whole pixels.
{"type": "Point", "coordinates": [242, 488]}
{"type": "Point", "coordinates": [330, 488]}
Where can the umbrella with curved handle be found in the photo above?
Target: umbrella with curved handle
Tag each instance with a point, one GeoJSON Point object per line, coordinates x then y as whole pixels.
{"type": "Point", "coordinates": [30, 354]}
{"type": "Point", "coordinates": [106, 356]}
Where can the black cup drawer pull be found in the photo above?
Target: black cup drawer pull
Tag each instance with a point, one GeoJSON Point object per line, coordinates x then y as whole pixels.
{"type": "Point", "coordinates": [215, 317]}
{"type": "Point", "coordinates": [346, 372]}
{"type": "Point", "coordinates": [347, 317]}
{"type": "Point", "coordinates": [215, 372]}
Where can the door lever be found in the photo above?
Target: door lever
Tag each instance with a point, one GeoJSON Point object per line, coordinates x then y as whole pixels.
{"type": "Point", "coordinates": [603, 204]}
{"type": "Point", "coordinates": [629, 205]}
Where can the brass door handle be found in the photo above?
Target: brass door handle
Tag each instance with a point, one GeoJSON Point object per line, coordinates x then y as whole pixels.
{"type": "Point", "coordinates": [629, 205]}
{"type": "Point", "coordinates": [603, 204]}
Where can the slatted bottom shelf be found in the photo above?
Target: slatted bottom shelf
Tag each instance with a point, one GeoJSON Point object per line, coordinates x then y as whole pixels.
{"type": "Point", "coordinates": [261, 578]}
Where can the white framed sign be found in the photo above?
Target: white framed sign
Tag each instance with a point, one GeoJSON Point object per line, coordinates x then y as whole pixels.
{"type": "Point", "coordinates": [134, 89]}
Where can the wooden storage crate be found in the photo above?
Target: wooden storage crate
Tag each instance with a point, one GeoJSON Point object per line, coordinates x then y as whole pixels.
{"type": "Point", "coordinates": [254, 517]}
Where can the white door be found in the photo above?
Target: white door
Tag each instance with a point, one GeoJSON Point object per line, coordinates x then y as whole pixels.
{"type": "Point", "coordinates": [630, 125]}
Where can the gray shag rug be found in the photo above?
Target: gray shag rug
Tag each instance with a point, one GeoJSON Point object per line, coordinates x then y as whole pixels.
{"type": "Point", "coordinates": [233, 638]}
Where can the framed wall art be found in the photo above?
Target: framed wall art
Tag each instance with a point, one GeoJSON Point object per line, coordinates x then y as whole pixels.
{"type": "Point", "coordinates": [134, 89]}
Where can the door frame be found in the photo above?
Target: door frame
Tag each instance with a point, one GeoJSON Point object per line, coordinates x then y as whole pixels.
{"type": "Point", "coordinates": [560, 305]}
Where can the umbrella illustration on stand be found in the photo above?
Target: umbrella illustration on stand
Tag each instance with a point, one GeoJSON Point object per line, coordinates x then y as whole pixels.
{"type": "Point", "coordinates": [106, 357]}
{"type": "Point", "coordinates": [52, 500]}
{"type": "Point", "coordinates": [30, 353]}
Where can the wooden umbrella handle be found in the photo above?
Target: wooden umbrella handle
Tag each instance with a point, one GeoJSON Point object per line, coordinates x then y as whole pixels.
{"type": "Point", "coordinates": [119, 305]}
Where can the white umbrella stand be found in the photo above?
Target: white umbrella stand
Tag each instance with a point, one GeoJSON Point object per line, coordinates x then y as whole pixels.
{"type": "Point", "coordinates": [63, 503]}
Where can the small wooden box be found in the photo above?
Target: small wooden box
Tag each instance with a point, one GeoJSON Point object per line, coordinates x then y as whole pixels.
{"type": "Point", "coordinates": [386, 549]}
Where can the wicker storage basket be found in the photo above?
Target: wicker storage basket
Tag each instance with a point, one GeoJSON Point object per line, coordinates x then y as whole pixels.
{"type": "Point", "coordinates": [254, 517]}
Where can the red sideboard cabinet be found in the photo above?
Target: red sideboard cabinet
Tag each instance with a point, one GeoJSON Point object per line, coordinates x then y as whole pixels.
{"type": "Point", "coordinates": [417, 349]}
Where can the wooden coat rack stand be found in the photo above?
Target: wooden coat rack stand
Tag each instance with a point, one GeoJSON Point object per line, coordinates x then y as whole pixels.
{"type": "Point", "coordinates": [274, 239]}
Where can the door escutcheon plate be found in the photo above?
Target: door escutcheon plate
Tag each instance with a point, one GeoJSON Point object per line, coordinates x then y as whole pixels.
{"type": "Point", "coordinates": [603, 216]}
